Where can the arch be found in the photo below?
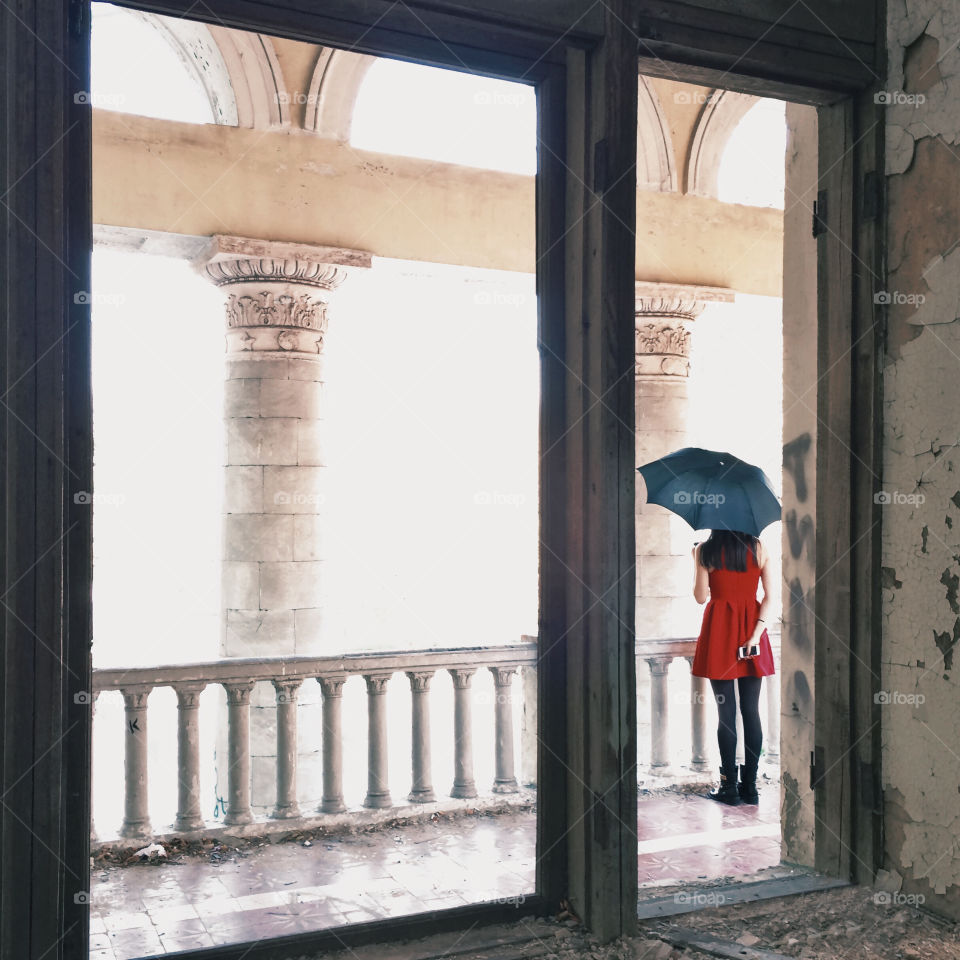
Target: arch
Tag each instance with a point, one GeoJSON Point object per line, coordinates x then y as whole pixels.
{"type": "Point", "coordinates": [258, 84]}
{"type": "Point", "coordinates": [201, 58]}
{"type": "Point", "coordinates": [656, 165]}
{"type": "Point", "coordinates": [721, 113]}
{"type": "Point", "coordinates": [333, 91]}
{"type": "Point", "coordinates": [238, 70]}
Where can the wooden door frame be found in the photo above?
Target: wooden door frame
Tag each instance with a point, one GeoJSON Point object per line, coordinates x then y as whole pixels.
{"type": "Point", "coordinates": [584, 66]}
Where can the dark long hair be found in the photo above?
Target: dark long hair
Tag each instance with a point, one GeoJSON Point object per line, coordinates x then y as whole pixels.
{"type": "Point", "coordinates": [727, 550]}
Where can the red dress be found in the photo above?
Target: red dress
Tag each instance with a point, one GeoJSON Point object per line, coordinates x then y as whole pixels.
{"type": "Point", "coordinates": [728, 622]}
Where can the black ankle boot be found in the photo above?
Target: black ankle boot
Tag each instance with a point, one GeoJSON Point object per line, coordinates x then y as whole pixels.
{"type": "Point", "coordinates": [747, 787]}
{"type": "Point", "coordinates": [727, 791]}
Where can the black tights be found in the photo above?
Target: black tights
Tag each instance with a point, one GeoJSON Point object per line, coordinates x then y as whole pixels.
{"type": "Point", "coordinates": [749, 691]}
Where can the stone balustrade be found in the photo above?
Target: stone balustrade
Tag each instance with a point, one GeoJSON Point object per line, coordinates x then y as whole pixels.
{"type": "Point", "coordinates": [288, 675]}
{"type": "Point", "coordinates": [658, 655]}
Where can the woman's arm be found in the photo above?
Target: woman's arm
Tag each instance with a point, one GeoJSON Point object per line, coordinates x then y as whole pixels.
{"type": "Point", "coordinates": [701, 579]}
{"type": "Point", "coordinates": [766, 574]}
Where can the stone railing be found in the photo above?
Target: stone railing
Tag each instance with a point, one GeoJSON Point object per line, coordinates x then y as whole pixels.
{"type": "Point", "coordinates": [288, 674]}
{"type": "Point", "coordinates": [658, 655]}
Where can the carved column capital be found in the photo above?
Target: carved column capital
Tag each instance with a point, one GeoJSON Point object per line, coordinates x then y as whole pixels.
{"type": "Point", "coordinates": [661, 312]}
{"type": "Point", "coordinates": [287, 688]}
{"type": "Point", "coordinates": [332, 687]}
{"type": "Point", "coordinates": [377, 683]}
{"type": "Point", "coordinates": [238, 692]}
{"type": "Point", "coordinates": [276, 292]}
{"type": "Point", "coordinates": [420, 680]}
{"type": "Point", "coordinates": [188, 694]}
{"type": "Point", "coordinates": [461, 677]}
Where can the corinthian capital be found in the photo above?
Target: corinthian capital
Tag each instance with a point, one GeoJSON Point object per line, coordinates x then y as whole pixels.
{"type": "Point", "coordinates": [661, 312]}
{"type": "Point", "coordinates": [276, 293]}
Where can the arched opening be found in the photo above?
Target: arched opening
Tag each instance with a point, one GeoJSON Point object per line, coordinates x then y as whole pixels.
{"type": "Point", "coordinates": [418, 111]}
{"type": "Point", "coordinates": [139, 66]}
{"type": "Point", "coordinates": [751, 167]}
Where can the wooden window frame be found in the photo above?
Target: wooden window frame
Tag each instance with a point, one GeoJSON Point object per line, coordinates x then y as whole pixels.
{"type": "Point", "coordinates": [584, 66]}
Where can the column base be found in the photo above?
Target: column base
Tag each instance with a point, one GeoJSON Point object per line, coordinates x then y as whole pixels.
{"type": "Point", "coordinates": [421, 796]}
{"type": "Point", "coordinates": [288, 811]}
{"type": "Point", "coordinates": [700, 766]}
{"type": "Point", "coordinates": [238, 819]}
{"type": "Point", "coordinates": [378, 801]}
{"type": "Point", "coordinates": [333, 805]}
{"type": "Point", "coordinates": [136, 829]}
{"type": "Point", "coordinates": [188, 823]}
{"type": "Point", "coordinates": [505, 786]}
{"type": "Point", "coordinates": [661, 770]}
{"type": "Point", "coordinates": [464, 791]}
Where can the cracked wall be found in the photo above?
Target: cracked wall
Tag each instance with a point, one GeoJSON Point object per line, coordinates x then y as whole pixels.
{"type": "Point", "coordinates": [917, 689]}
{"type": "Point", "coordinates": [799, 487]}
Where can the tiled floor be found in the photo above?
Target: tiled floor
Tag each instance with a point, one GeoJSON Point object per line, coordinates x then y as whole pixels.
{"type": "Point", "coordinates": [686, 837]}
{"type": "Point", "coordinates": [143, 910]}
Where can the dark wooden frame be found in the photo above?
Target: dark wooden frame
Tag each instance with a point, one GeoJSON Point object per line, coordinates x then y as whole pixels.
{"type": "Point", "coordinates": [845, 768]}
{"type": "Point", "coordinates": [583, 58]}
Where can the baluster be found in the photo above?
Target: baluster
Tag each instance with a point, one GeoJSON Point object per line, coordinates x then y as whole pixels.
{"type": "Point", "coordinates": [378, 789]}
{"type": "Point", "coordinates": [238, 753]}
{"type": "Point", "coordinates": [286, 807]}
{"type": "Point", "coordinates": [463, 782]}
{"type": "Point", "coordinates": [422, 789]}
{"type": "Point", "coordinates": [136, 816]}
{"type": "Point", "coordinates": [332, 689]}
{"type": "Point", "coordinates": [505, 780]}
{"type": "Point", "coordinates": [698, 721]}
{"type": "Point", "coordinates": [189, 816]}
{"type": "Point", "coordinates": [659, 714]}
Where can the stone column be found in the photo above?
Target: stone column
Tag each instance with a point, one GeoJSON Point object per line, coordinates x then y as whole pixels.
{"type": "Point", "coordinates": [277, 298]}
{"type": "Point", "coordinates": [664, 575]}
{"type": "Point", "coordinates": [136, 808]}
{"type": "Point", "coordinates": [189, 812]}
{"type": "Point", "coordinates": [421, 790]}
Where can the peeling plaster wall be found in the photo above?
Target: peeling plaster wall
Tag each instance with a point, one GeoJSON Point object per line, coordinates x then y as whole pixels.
{"type": "Point", "coordinates": [920, 719]}
{"type": "Point", "coordinates": [799, 487]}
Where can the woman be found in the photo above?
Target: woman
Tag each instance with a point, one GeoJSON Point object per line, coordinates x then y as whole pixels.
{"type": "Point", "coordinates": [728, 566]}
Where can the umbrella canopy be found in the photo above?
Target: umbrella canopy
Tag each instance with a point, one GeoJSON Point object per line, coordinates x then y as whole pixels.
{"type": "Point", "coordinates": [712, 490]}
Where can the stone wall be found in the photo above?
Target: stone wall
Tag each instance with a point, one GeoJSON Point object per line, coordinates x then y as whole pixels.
{"type": "Point", "coordinates": [921, 463]}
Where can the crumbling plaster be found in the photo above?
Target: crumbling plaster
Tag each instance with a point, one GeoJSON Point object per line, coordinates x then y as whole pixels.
{"type": "Point", "coordinates": [917, 690]}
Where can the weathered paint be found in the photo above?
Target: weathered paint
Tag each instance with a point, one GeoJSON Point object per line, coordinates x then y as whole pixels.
{"type": "Point", "coordinates": [921, 464]}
